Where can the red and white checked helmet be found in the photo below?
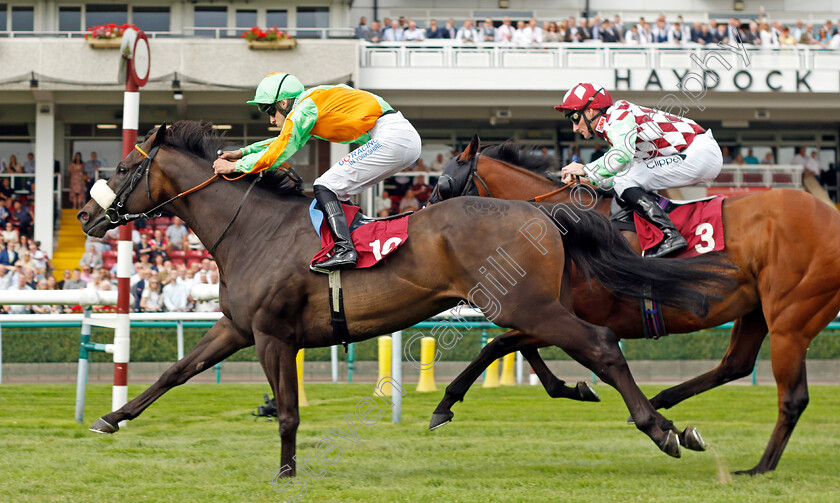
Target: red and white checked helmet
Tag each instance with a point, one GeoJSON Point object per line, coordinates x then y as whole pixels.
{"type": "Point", "coordinates": [585, 95]}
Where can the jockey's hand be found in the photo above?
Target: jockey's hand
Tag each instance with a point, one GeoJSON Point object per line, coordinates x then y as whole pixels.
{"type": "Point", "coordinates": [570, 171]}
{"type": "Point", "coordinates": [232, 155]}
{"type": "Point", "coordinates": [223, 166]}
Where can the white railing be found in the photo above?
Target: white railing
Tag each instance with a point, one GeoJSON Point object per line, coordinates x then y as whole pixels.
{"type": "Point", "coordinates": [759, 175]}
{"type": "Point", "coordinates": [18, 183]}
{"type": "Point", "coordinates": [195, 31]}
{"type": "Point", "coordinates": [450, 53]}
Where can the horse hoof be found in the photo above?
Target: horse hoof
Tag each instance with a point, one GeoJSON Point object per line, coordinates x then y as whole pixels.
{"type": "Point", "coordinates": [439, 419]}
{"type": "Point", "coordinates": [691, 439]}
{"type": "Point", "coordinates": [103, 426]}
{"type": "Point", "coordinates": [630, 420]}
{"type": "Point", "coordinates": [671, 445]}
{"type": "Point", "coordinates": [586, 393]}
{"type": "Point", "coordinates": [753, 472]}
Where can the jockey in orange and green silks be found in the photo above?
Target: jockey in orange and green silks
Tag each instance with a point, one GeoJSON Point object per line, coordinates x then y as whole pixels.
{"type": "Point", "coordinates": [338, 114]}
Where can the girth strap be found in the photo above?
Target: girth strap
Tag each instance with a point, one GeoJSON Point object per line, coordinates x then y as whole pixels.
{"type": "Point", "coordinates": [653, 322]}
{"type": "Point", "coordinates": [337, 316]}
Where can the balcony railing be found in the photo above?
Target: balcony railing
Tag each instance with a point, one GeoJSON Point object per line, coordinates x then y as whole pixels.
{"type": "Point", "coordinates": [448, 53]}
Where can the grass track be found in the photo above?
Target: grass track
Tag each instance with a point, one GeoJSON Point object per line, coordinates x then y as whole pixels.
{"type": "Point", "coordinates": [199, 444]}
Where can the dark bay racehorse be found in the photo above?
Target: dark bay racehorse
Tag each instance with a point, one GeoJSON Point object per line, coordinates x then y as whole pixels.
{"type": "Point", "coordinates": [270, 299]}
{"type": "Point", "coordinates": [785, 243]}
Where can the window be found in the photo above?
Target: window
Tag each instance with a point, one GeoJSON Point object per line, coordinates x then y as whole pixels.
{"type": "Point", "coordinates": [23, 19]}
{"type": "Point", "coordinates": [69, 19]}
{"type": "Point", "coordinates": [246, 18]}
{"type": "Point", "coordinates": [278, 18]}
{"type": "Point", "coordinates": [210, 17]}
{"type": "Point", "coordinates": [151, 18]}
{"type": "Point", "coordinates": [99, 14]}
{"type": "Point", "coordinates": [4, 17]}
{"type": "Point", "coordinates": [312, 17]}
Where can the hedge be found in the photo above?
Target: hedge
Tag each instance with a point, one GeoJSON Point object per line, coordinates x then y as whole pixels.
{"type": "Point", "coordinates": [40, 345]}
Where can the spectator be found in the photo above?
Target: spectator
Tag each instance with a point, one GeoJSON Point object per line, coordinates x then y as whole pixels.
{"type": "Point", "coordinates": [633, 37]}
{"type": "Point", "coordinates": [659, 32]}
{"type": "Point", "coordinates": [75, 282]}
{"type": "Point", "coordinates": [467, 34]}
{"type": "Point", "coordinates": [193, 243]}
{"type": "Point", "coordinates": [807, 35]}
{"type": "Point", "coordinates": [727, 157]}
{"type": "Point", "coordinates": [830, 29]}
{"type": "Point", "coordinates": [374, 34]}
{"type": "Point", "coordinates": [402, 23]}
{"type": "Point", "coordinates": [421, 190]}
{"type": "Point", "coordinates": [160, 245]}
{"type": "Point", "coordinates": [438, 164]}
{"type": "Point", "coordinates": [797, 31]}
{"type": "Point", "coordinates": [409, 202]}
{"type": "Point", "coordinates": [92, 171]}
{"type": "Point", "coordinates": [41, 260]}
{"type": "Point", "coordinates": [77, 181]}
{"type": "Point", "coordinates": [676, 34]}
{"type": "Point", "coordinates": [646, 34]}
{"type": "Point", "coordinates": [43, 284]}
{"type": "Point", "coordinates": [176, 233]}
{"type": "Point", "coordinates": [575, 33]}
{"type": "Point", "coordinates": [65, 278]}
{"type": "Point", "coordinates": [734, 31]}
{"type": "Point", "coordinates": [384, 204]}
{"type": "Point", "coordinates": [91, 258]}
{"type": "Point", "coordinates": [10, 234]}
{"type": "Point", "coordinates": [6, 189]}
{"type": "Point", "coordinates": [433, 31]}
{"type": "Point", "coordinates": [488, 31]}
{"type": "Point", "coordinates": [504, 33]}
{"type": "Point", "coordinates": [29, 165]}
{"type": "Point", "coordinates": [150, 299]}
{"type": "Point", "coordinates": [87, 275]}
{"type": "Point", "coordinates": [786, 38]}
{"type": "Point", "coordinates": [550, 33]}
{"type": "Point", "coordinates": [822, 37]}
{"type": "Point", "coordinates": [800, 159]}
{"type": "Point", "coordinates": [768, 36]}
{"type": "Point", "coordinates": [619, 28]}
{"type": "Point", "coordinates": [750, 158]}
{"type": "Point", "coordinates": [609, 33]}
{"type": "Point", "coordinates": [595, 27]}
{"type": "Point", "coordinates": [413, 34]}
{"type": "Point", "coordinates": [144, 247]}
{"type": "Point", "coordinates": [20, 284]}
{"type": "Point", "coordinates": [6, 277]}
{"type": "Point", "coordinates": [752, 36]}
{"type": "Point", "coordinates": [519, 37]}
{"type": "Point", "coordinates": [362, 29]}
{"type": "Point", "coordinates": [394, 33]}
{"type": "Point", "coordinates": [23, 217]}
{"type": "Point", "coordinates": [8, 256]}
{"type": "Point", "coordinates": [812, 164]}
{"type": "Point", "coordinates": [175, 295]}
{"type": "Point", "coordinates": [768, 159]}
{"type": "Point", "coordinates": [14, 166]}
{"type": "Point", "coordinates": [533, 33]}
{"type": "Point", "coordinates": [739, 160]}
{"type": "Point", "coordinates": [449, 30]}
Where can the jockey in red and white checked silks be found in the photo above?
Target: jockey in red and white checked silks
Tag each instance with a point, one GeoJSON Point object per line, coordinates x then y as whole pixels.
{"type": "Point", "coordinates": [649, 150]}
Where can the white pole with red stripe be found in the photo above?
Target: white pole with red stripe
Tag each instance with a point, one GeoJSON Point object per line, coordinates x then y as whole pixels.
{"type": "Point", "coordinates": [137, 73]}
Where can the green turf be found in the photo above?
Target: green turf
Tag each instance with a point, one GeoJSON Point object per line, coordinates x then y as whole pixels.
{"type": "Point", "coordinates": [199, 443]}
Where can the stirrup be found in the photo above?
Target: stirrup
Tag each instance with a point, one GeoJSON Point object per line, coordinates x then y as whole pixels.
{"type": "Point", "coordinates": [669, 246]}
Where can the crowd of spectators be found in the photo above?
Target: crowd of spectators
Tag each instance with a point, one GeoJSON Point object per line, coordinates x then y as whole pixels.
{"type": "Point", "coordinates": [169, 261]}
{"type": "Point", "coordinates": [761, 32]}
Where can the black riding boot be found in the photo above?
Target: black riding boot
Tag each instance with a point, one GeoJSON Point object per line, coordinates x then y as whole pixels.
{"type": "Point", "coordinates": [646, 206]}
{"type": "Point", "coordinates": [344, 254]}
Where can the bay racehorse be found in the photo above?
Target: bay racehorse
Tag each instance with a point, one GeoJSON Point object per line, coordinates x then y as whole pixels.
{"type": "Point", "coordinates": [270, 299]}
{"type": "Point", "coordinates": [785, 244]}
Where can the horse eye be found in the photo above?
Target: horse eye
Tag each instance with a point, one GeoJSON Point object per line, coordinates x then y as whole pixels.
{"type": "Point", "coordinates": [121, 169]}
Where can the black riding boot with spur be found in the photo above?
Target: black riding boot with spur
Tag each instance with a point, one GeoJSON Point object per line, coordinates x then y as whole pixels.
{"type": "Point", "coordinates": [645, 204]}
{"type": "Point", "coordinates": [344, 253]}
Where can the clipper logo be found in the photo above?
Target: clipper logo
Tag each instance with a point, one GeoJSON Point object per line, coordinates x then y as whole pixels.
{"type": "Point", "coordinates": [601, 123]}
{"type": "Point", "coordinates": [665, 161]}
{"type": "Point", "coordinates": [360, 153]}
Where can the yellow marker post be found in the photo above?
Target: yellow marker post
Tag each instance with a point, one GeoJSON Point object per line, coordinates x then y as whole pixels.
{"type": "Point", "coordinates": [491, 375]}
{"type": "Point", "coordinates": [508, 363]}
{"type": "Point", "coordinates": [427, 360]}
{"type": "Point", "coordinates": [301, 394]}
{"type": "Point", "coordinates": [385, 363]}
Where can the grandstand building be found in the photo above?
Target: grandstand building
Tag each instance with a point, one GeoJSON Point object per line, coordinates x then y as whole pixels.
{"type": "Point", "coordinates": [60, 95]}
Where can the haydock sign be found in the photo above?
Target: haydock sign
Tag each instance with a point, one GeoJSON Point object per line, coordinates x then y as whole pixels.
{"type": "Point", "coordinates": [722, 80]}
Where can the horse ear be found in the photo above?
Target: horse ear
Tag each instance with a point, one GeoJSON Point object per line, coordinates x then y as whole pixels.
{"type": "Point", "coordinates": [471, 149]}
{"type": "Point", "coordinates": [160, 134]}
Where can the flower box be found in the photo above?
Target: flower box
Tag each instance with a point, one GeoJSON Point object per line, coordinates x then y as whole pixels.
{"type": "Point", "coordinates": [105, 43]}
{"type": "Point", "coordinates": [285, 44]}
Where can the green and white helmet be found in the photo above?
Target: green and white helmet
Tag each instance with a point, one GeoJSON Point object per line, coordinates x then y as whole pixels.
{"type": "Point", "coordinates": [277, 87]}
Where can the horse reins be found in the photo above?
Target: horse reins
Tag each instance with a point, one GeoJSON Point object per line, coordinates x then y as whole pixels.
{"type": "Point", "coordinates": [144, 168]}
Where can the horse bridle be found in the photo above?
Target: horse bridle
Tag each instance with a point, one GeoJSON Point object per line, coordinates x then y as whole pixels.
{"type": "Point", "coordinates": [470, 182]}
{"type": "Point", "coordinates": [143, 170]}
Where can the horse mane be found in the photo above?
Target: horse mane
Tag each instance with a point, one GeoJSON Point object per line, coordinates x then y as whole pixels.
{"type": "Point", "coordinates": [202, 141]}
{"type": "Point", "coordinates": [522, 155]}
{"type": "Point", "coordinates": [193, 137]}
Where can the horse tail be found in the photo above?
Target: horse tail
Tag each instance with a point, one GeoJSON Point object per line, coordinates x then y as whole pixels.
{"type": "Point", "coordinates": [598, 249]}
